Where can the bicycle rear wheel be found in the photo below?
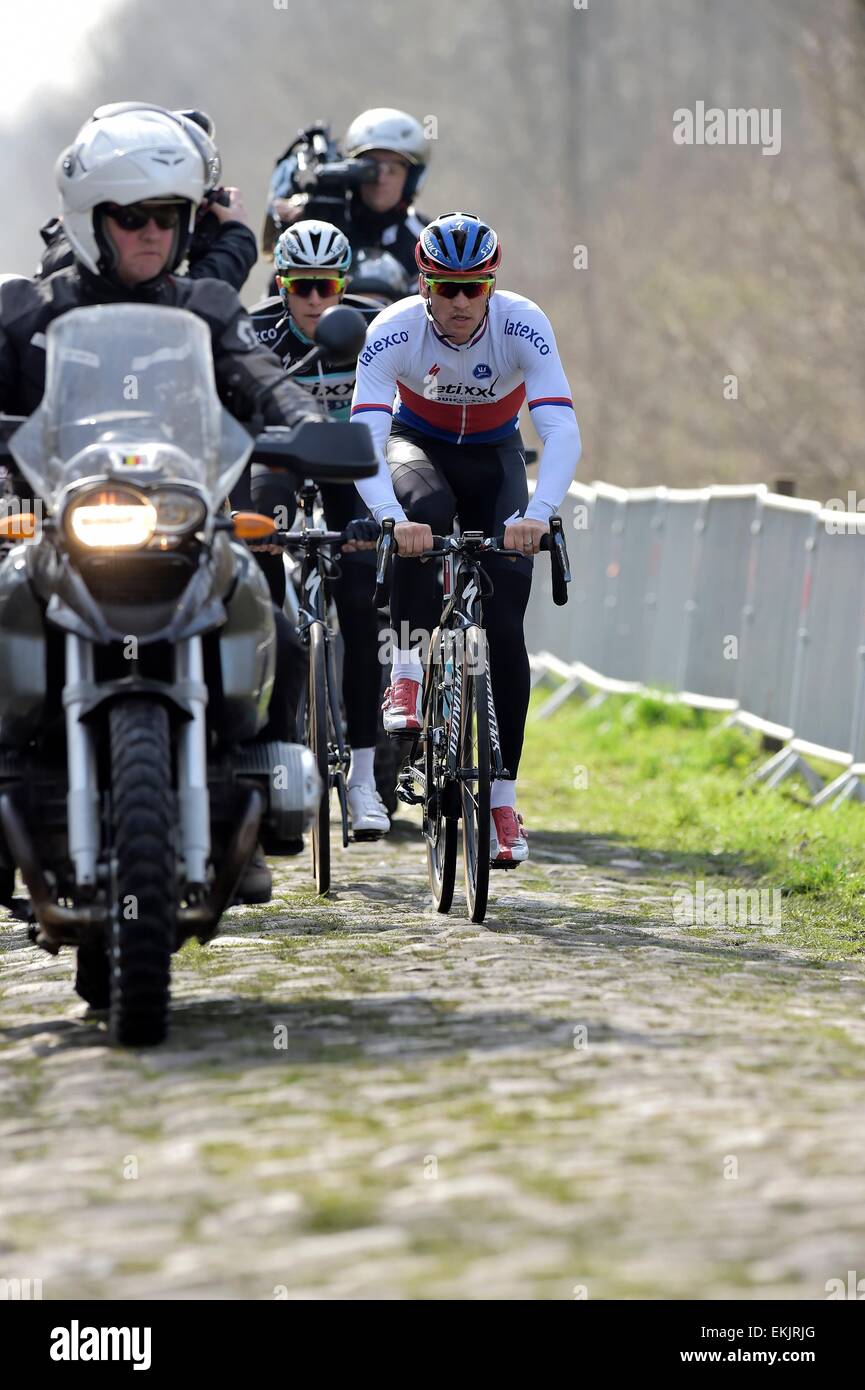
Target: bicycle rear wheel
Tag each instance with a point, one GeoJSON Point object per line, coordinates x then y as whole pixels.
{"type": "Point", "coordinates": [474, 764]}
{"type": "Point", "coordinates": [440, 830]}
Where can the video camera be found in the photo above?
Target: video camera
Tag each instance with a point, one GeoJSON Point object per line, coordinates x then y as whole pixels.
{"type": "Point", "coordinates": [322, 170]}
{"type": "Point", "coordinates": [322, 180]}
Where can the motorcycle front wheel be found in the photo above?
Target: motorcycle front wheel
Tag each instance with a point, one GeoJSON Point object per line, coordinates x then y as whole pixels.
{"type": "Point", "coordinates": [144, 878]}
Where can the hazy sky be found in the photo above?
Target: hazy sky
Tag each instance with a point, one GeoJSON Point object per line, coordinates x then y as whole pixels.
{"type": "Point", "coordinates": [45, 45]}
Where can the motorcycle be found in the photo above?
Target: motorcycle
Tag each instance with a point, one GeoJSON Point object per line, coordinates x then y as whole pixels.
{"type": "Point", "coordinates": [138, 653]}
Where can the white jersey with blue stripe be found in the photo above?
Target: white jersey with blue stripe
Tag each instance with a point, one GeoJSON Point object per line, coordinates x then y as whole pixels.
{"type": "Point", "coordinates": [467, 393]}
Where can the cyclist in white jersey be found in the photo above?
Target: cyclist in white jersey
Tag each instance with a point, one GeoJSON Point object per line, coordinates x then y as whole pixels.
{"type": "Point", "coordinates": [440, 384]}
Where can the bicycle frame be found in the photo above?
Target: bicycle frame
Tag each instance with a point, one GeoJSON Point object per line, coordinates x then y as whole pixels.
{"type": "Point", "coordinates": [463, 614]}
{"type": "Point", "coordinates": [449, 791]}
{"type": "Point", "coordinates": [312, 611]}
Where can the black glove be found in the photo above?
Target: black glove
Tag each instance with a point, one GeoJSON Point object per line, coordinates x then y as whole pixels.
{"type": "Point", "coordinates": [363, 528]}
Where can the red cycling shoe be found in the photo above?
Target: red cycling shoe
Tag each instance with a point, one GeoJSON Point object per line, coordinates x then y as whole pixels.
{"type": "Point", "coordinates": [402, 706]}
{"type": "Point", "coordinates": [508, 841]}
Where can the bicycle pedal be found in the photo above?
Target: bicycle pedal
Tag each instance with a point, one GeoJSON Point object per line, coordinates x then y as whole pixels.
{"type": "Point", "coordinates": [361, 836]}
{"type": "Point", "coordinates": [506, 864]}
{"type": "Point", "coordinates": [410, 798]}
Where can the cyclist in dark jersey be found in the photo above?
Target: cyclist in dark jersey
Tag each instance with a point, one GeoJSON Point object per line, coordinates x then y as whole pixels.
{"type": "Point", "coordinates": [312, 259]}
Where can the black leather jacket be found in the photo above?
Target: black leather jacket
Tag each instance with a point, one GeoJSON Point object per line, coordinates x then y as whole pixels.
{"type": "Point", "coordinates": [250, 379]}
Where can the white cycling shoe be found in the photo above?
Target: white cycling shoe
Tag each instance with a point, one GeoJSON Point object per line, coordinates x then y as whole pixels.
{"type": "Point", "coordinates": [366, 811]}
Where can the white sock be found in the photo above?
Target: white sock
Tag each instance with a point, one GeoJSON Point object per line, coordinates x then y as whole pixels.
{"type": "Point", "coordinates": [362, 767]}
{"type": "Point", "coordinates": [503, 792]}
{"type": "Point", "coordinates": [406, 663]}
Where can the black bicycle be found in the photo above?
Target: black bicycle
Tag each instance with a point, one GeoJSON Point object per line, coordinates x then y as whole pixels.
{"type": "Point", "coordinates": [450, 764]}
{"type": "Point", "coordinates": [320, 723]}
{"type": "Point", "coordinates": [340, 334]}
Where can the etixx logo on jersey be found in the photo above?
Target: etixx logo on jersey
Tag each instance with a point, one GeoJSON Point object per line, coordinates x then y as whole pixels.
{"type": "Point", "coordinates": [483, 371]}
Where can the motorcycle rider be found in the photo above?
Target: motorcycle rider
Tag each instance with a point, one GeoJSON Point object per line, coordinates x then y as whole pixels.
{"type": "Point", "coordinates": [379, 213]}
{"type": "Point", "coordinates": [222, 245]}
{"type": "Point", "coordinates": [312, 260]}
{"type": "Point", "coordinates": [129, 186]}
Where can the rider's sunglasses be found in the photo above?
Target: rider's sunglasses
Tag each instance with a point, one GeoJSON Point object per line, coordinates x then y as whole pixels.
{"type": "Point", "coordinates": [135, 216]}
{"type": "Point", "coordinates": [305, 284]}
{"type": "Point", "coordinates": [449, 289]}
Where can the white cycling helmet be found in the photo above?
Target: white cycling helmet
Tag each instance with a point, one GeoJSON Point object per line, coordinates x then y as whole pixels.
{"type": "Point", "coordinates": [384, 128]}
{"type": "Point", "coordinates": [135, 155]}
{"type": "Point", "coordinates": [312, 245]}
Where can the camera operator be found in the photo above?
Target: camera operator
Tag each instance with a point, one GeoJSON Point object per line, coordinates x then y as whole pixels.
{"type": "Point", "coordinates": [222, 246]}
{"type": "Point", "coordinates": [368, 194]}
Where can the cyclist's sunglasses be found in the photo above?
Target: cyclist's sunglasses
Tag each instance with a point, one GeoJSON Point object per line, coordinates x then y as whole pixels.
{"type": "Point", "coordinates": [305, 284]}
{"type": "Point", "coordinates": [449, 289]}
{"type": "Point", "coordinates": [137, 215]}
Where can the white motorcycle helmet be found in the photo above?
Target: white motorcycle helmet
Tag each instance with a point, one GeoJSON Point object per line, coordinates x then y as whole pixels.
{"type": "Point", "coordinates": [197, 124]}
{"type": "Point", "coordinates": [384, 128]}
{"type": "Point", "coordinates": [136, 155]}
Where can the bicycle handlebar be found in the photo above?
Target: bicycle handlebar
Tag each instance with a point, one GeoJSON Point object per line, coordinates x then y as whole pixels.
{"type": "Point", "coordinates": [306, 538]}
{"type": "Point", "coordinates": [554, 542]}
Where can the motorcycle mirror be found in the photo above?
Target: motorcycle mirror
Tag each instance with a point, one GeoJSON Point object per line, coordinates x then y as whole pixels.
{"type": "Point", "coordinates": [330, 451]}
{"type": "Point", "coordinates": [341, 332]}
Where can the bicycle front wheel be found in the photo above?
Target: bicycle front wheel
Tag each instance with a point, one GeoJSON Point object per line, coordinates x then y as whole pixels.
{"type": "Point", "coordinates": [440, 830]}
{"type": "Point", "coordinates": [474, 768]}
{"type": "Point", "coordinates": [315, 735]}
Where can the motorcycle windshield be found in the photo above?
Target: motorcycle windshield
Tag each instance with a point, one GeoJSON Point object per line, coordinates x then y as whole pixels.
{"type": "Point", "coordinates": [130, 392]}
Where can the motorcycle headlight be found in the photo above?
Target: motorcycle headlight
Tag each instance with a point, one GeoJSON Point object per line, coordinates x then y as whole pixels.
{"type": "Point", "coordinates": [111, 518]}
{"type": "Point", "coordinates": [177, 511]}
{"type": "Point", "coordinates": [119, 518]}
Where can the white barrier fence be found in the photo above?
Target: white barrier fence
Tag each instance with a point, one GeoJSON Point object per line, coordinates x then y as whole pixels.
{"type": "Point", "coordinates": [731, 598]}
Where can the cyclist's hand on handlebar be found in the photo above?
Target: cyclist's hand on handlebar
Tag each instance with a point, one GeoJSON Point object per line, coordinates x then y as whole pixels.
{"type": "Point", "coordinates": [525, 536]}
{"type": "Point", "coordinates": [360, 534]}
{"type": "Point", "coordinates": [412, 537]}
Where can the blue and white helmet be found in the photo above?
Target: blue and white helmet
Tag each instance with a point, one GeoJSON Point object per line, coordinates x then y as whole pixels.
{"type": "Point", "coordinates": [458, 243]}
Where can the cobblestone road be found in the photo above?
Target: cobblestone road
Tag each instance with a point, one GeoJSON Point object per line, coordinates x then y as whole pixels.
{"type": "Point", "coordinates": [363, 1099]}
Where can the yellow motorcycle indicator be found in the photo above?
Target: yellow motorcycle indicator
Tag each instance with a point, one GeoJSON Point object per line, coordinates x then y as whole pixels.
{"type": "Point", "coordinates": [19, 526]}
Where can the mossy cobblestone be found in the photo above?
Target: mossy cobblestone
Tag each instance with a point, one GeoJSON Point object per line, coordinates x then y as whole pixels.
{"type": "Point", "coordinates": [360, 1098]}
